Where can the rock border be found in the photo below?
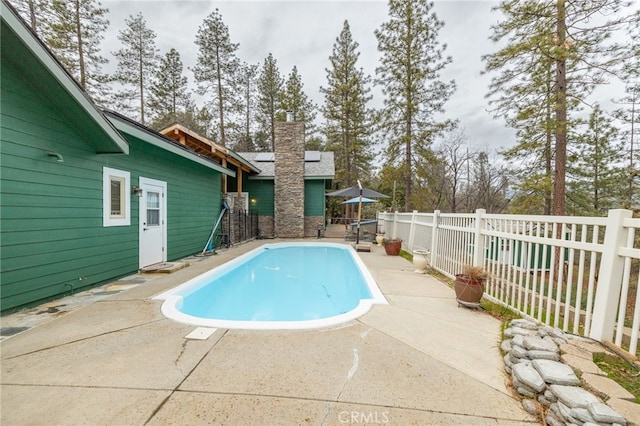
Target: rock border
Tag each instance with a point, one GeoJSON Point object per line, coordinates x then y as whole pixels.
{"type": "Point", "coordinates": [540, 361]}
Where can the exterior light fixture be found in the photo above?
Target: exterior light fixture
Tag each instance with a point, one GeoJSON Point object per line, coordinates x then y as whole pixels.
{"type": "Point", "coordinates": [136, 190]}
{"type": "Point", "coordinates": [57, 155]}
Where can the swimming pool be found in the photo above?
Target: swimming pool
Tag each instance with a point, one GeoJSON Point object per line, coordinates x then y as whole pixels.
{"type": "Point", "coordinates": [278, 286]}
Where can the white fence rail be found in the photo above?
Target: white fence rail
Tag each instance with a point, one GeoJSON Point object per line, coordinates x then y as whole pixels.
{"type": "Point", "coordinates": [579, 274]}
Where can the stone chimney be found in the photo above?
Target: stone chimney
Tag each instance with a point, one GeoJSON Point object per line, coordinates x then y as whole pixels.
{"type": "Point", "coordinates": [289, 179]}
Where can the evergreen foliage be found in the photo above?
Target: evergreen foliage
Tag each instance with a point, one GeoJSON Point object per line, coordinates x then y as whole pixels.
{"type": "Point", "coordinates": [37, 14]}
{"type": "Point", "coordinates": [248, 80]}
{"type": "Point", "coordinates": [409, 73]}
{"type": "Point", "coordinates": [556, 53]}
{"type": "Point", "coordinates": [270, 84]}
{"type": "Point", "coordinates": [137, 64]}
{"type": "Point", "coordinates": [75, 32]}
{"type": "Point", "coordinates": [217, 73]}
{"type": "Point", "coordinates": [348, 126]}
{"type": "Point", "coordinates": [169, 97]}
{"type": "Point", "coordinates": [596, 168]}
{"type": "Point", "coordinates": [294, 100]}
{"type": "Point", "coordinates": [628, 114]}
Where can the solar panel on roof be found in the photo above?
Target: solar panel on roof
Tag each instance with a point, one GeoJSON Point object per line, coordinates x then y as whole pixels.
{"type": "Point", "coordinates": [264, 157]}
{"type": "Point", "coordinates": [312, 156]}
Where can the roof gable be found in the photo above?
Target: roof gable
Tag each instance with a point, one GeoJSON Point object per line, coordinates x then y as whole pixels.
{"type": "Point", "coordinates": [137, 130]}
{"type": "Point", "coordinates": [23, 51]}
{"type": "Point", "coordinates": [207, 147]}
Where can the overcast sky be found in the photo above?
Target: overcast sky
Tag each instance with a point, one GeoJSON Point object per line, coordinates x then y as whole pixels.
{"type": "Point", "coordinates": [303, 32]}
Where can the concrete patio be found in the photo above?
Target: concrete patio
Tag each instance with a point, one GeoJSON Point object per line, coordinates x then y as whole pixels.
{"type": "Point", "coordinates": [419, 360]}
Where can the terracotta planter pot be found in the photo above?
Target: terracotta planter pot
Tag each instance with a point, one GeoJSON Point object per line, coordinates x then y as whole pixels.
{"type": "Point", "coordinates": [468, 292]}
{"type": "Point", "coordinates": [392, 248]}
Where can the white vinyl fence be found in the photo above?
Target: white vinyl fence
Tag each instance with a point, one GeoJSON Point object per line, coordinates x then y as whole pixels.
{"type": "Point", "coordinates": [594, 293]}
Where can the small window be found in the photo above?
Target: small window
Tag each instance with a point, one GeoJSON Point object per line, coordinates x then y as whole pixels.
{"type": "Point", "coordinates": [153, 208]}
{"type": "Point", "coordinates": [116, 197]}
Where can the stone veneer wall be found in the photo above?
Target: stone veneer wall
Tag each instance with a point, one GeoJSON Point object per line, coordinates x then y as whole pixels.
{"type": "Point", "coordinates": [289, 180]}
{"type": "Point", "coordinates": [311, 224]}
{"type": "Point", "coordinates": [232, 219]}
{"type": "Point", "coordinates": [266, 226]}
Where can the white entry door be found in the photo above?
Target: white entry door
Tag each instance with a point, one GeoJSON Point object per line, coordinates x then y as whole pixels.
{"type": "Point", "coordinates": [153, 223]}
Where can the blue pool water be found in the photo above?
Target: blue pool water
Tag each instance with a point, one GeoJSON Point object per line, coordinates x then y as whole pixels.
{"type": "Point", "coordinates": [292, 285]}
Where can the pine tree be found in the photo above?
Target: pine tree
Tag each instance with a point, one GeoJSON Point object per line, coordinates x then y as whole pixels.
{"type": "Point", "coordinates": [37, 14]}
{"type": "Point", "coordinates": [137, 63]}
{"type": "Point", "coordinates": [295, 101]}
{"type": "Point", "coordinates": [629, 116]}
{"type": "Point", "coordinates": [523, 95]}
{"type": "Point", "coordinates": [169, 95]}
{"type": "Point", "coordinates": [270, 84]}
{"type": "Point", "coordinates": [575, 39]}
{"type": "Point", "coordinates": [248, 82]}
{"type": "Point", "coordinates": [409, 73]}
{"type": "Point", "coordinates": [76, 30]}
{"type": "Point", "coordinates": [596, 168]}
{"type": "Point", "coordinates": [348, 126]}
{"type": "Point", "coordinates": [216, 72]}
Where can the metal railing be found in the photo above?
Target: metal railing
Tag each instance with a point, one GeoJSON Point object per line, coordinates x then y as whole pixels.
{"type": "Point", "coordinates": [579, 274]}
{"type": "Point", "coordinates": [237, 227]}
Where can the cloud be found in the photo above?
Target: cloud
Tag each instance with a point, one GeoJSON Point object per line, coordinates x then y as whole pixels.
{"type": "Point", "coordinates": [302, 33]}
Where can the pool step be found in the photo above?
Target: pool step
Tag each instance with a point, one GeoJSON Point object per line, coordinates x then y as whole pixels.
{"type": "Point", "coordinates": [164, 267]}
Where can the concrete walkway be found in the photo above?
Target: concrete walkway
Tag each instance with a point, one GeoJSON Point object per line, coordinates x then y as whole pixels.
{"type": "Point", "coordinates": [419, 360]}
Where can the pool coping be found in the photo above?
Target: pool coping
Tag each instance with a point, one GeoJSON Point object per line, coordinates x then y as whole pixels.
{"type": "Point", "coordinates": [172, 301]}
{"type": "Point", "coordinates": [130, 365]}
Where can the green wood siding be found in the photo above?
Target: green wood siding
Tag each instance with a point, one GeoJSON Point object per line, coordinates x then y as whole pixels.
{"type": "Point", "coordinates": [51, 231]}
{"type": "Point", "coordinates": [262, 192]}
{"type": "Point", "coordinates": [314, 198]}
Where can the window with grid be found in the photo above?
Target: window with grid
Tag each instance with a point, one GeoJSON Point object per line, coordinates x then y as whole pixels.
{"type": "Point", "coordinates": [116, 205]}
{"type": "Point", "coordinates": [153, 208]}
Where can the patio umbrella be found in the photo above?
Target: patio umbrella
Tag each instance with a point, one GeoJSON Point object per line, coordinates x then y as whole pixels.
{"type": "Point", "coordinates": [356, 200]}
{"type": "Point", "coordinates": [356, 191]}
{"type": "Point", "coordinates": [360, 199]}
{"type": "Point", "coordinates": [361, 194]}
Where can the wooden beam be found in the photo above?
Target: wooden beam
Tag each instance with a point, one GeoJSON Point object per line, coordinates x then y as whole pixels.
{"type": "Point", "coordinates": [224, 177]}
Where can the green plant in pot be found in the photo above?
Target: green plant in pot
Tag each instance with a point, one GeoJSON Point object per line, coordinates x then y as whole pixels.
{"type": "Point", "coordinates": [469, 285]}
{"type": "Point", "coordinates": [392, 246]}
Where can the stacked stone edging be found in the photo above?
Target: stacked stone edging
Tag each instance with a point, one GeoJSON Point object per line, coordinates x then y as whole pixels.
{"type": "Point", "coordinates": [288, 203]}
{"type": "Point", "coordinates": [549, 387]}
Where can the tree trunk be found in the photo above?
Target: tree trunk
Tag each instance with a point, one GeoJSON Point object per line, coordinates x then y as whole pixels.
{"type": "Point", "coordinates": [83, 78]}
{"type": "Point", "coordinates": [561, 113]}
{"type": "Point", "coordinates": [407, 171]}
{"type": "Point", "coordinates": [548, 156]}
{"type": "Point", "coordinates": [220, 102]}
{"type": "Point", "coordinates": [141, 84]}
{"type": "Point", "coordinates": [632, 171]}
{"type": "Point", "coordinates": [32, 16]}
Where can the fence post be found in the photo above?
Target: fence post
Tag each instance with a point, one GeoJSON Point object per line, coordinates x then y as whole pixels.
{"type": "Point", "coordinates": [395, 222]}
{"type": "Point", "coordinates": [412, 231]}
{"type": "Point", "coordinates": [609, 277]}
{"type": "Point", "coordinates": [434, 236]}
{"type": "Point", "coordinates": [478, 239]}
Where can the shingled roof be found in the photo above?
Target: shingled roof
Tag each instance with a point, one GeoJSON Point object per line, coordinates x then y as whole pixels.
{"type": "Point", "coordinates": [317, 164]}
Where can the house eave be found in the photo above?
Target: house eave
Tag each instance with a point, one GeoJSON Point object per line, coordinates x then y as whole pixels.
{"type": "Point", "coordinates": [106, 139]}
{"type": "Point", "coordinates": [136, 130]}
